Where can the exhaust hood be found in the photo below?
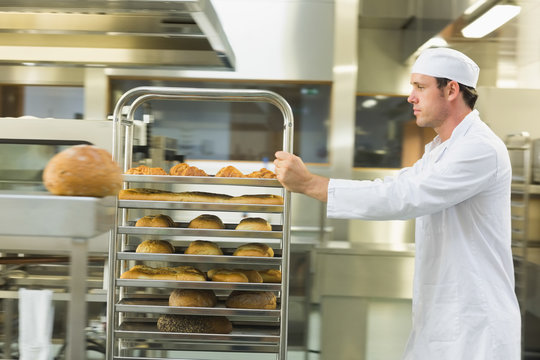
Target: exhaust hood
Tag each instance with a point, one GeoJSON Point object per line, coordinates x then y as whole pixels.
{"type": "Point", "coordinates": [114, 33]}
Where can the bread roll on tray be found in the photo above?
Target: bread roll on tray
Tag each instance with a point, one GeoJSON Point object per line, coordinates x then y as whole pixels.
{"type": "Point", "coordinates": [254, 223]}
{"type": "Point", "coordinates": [159, 220]}
{"type": "Point", "coordinates": [262, 174]}
{"type": "Point", "coordinates": [251, 300]}
{"type": "Point", "coordinates": [145, 170]}
{"type": "Point", "coordinates": [206, 221]}
{"type": "Point", "coordinates": [178, 273]}
{"type": "Point", "coordinates": [229, 171]}
{"type": "Point", "coordinates": [235, 275]}
{"type": "Point", "coordinates": [155, 246]}
{"type": "Point", "coordinates": [270, 275]}
{"type": "Point", "coordinates": [254, 249]}
{"type": "Point", "coordinates": [192, 298]}
{"type": "Point", "coordinates": [226, 275]}
{"type": "Point", "coordinates": [203, 247]}
{"type": "Point", "coordinates": [194, 324]}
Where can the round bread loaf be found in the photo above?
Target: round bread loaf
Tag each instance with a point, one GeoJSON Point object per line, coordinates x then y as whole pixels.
{"type": "Point", "coordinates": [159, 220]}
{"type": "Point", "coordinates": [192, 298]}
{"type": "Point", "coordinates": [251, 300]}
{"type": "Point", "coordinates": [155, 246]}
{"type": "Point", "coordinates": [206, 221]}
{"type": "Point", "coordinates": [254, 223]}
{"type": "Point", "coordinates": [226, 275]}
{"type": "Point", "coordinates": [254, 249]}
{"type": "Point", "coordinates": [194, 324]}
{"type": "Point", "coordinates": [270, 275]}
{"type": "Point", "coordinates": [203, 247]}
{"type": "Point", "coordinates": [82, 170]}
{"type": "Point", "coordinates": [252, 275]}
{"type": "Point", "coordinates": [229, 171]}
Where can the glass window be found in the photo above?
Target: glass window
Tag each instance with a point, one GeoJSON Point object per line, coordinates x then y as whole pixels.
{"type": "Point", "coordinates": [380, 130]}
{"type": "Point", "coordinates": [208, 130]}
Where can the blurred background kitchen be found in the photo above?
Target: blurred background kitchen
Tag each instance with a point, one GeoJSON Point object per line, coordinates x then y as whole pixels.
{"type": "Point", "coordinates": [343, 66]}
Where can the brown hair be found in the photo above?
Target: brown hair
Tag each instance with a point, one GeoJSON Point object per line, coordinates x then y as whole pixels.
{"type": "Point", "coordinates": [470, 95]}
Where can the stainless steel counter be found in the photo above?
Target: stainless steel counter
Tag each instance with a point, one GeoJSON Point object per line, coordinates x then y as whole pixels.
{"type": "Point", "coordinates": [78, 218]}
{"type": "Point", "coordinates": [364, 291]}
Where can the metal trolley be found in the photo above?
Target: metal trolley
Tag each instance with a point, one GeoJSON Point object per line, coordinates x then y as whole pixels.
{"type": "Point", "coordinates": [134, 305]}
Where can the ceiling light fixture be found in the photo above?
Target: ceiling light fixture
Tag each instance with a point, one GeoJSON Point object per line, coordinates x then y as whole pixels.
{"type": "Point", "coordinates": [492, 19]}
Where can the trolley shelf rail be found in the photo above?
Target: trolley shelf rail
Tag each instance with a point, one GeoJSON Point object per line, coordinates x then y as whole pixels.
{"type": "Point", "coordinates": [133, 304]}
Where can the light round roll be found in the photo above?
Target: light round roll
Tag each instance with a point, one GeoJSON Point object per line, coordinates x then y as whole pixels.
{"type": "Point", "coordinates": [254, 249]}
{"type": "Point", "coordinates": [203, 247]}
{"type": "Point", "coordinates": [155, 246]}
{"type": "Point", "coordinates": [159, 220]}
{"type": "Point", "coordinates": [82, 170]}
{"type": "Point", "coordinates": [206, 221]}
{"type": "Point", "coordinates": [254, 224]}
{"type": "Point", "coordinates": [270, 275]}
{"type": "Point", "coordinates": [192, 298]}
{"type": "Point", "coordinates": [251, 300]}
{"type": "Point", "coordinates": [226, 275]}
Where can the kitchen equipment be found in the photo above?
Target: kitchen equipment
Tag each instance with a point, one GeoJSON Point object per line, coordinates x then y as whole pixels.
{"type": "Point", "coordinates": [134, 305]}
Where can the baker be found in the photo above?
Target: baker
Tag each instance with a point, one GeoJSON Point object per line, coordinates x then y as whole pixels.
{"type": "Point", "coordinates": [464, 304]}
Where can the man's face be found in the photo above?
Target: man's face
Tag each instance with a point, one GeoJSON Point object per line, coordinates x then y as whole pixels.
{"type": "Point", "coordinates": [429, 102]}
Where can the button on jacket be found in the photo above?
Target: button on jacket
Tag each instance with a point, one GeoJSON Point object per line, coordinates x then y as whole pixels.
{"type": "Point", "coordinates": [464, 304]}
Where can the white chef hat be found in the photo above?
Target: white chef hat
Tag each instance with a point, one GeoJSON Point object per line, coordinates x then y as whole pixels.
{"type": "Point", "coordinates": [447, 63]}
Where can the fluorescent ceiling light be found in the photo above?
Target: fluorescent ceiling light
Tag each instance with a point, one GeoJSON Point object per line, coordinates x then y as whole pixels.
{"type": "Point", "coordinates": [491, 20]}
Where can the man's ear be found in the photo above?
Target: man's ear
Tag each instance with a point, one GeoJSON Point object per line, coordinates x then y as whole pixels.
{"type": "Point", "coordinates": [453, 89]}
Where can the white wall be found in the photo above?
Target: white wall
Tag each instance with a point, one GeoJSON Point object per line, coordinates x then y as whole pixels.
{"type": "Point", "coordinates": [509, 111]}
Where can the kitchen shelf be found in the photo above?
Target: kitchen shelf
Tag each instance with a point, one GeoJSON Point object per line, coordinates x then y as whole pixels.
{"type": "Point", "coordinates": [135, 304]}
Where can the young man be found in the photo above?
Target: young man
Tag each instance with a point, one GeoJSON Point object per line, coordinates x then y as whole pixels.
{"type": "Point", "coordinates": [464, 304]}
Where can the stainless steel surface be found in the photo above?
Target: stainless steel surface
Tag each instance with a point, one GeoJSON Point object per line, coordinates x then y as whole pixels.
{"type": "Point", "coordinates": [247, 234]}
{"type": "Point", "coordinates": [135, 33]}
{"type": "Point", "coordinates": [77, 218]}
{"type": "Point", "coordinates": [213, 259]}
{"type": "Point", "coordinates": [376, 270]}
{"type": "Point", "coordinates": [170, 179]}
{"type": "Point", "coordinates": [353, 281]}
{"type": "Point", "coordinates": [172, 284]}
{"type": "Point", "coordinates": [123, 117]}
{"type": "Point", "coordinates": [171, 205]}
{"type": "Point", "coordinates": [96, 132]}
{"type": "Point", "coordinates": [345, 69]}
{"type": "Point", "coordinates": [62, 216]}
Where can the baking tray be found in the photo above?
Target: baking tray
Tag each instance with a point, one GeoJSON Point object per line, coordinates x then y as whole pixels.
{"type": "Point", "coordinates": [198, 206]}
{"type": "Point", "coordinates": [210, 285]}
{"type": "Point", "coordinates": [160, 306]}
{"type": "Point", "coordinates": [245, 234]}
{"type": "Point", "coordinates": [210, 180]}
{"type": "Point", "coordinates": [146, 329]}
{"type": "Point", "coordinates": [186, 258]}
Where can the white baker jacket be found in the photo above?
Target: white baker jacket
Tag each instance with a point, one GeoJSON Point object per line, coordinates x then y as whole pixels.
{"type": "Point", "coordinates": [464, 304]}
